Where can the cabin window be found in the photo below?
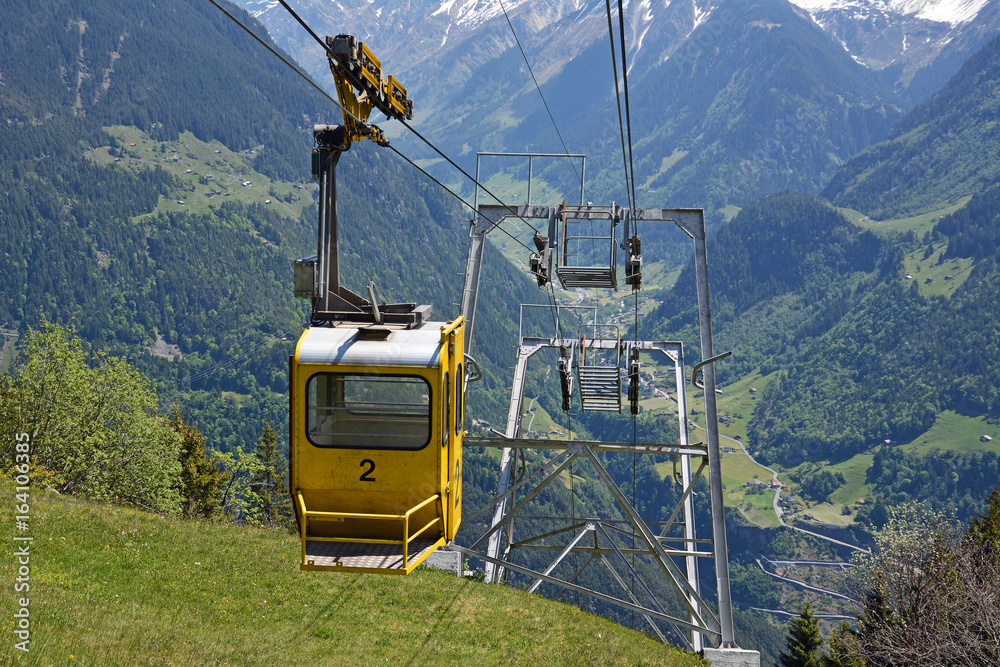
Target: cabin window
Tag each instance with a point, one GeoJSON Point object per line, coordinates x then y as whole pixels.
{"type": "Point", "coordinates": [368, 411]}
{"type": "Point", "coordinates": [459, 390]}
{"type": "Point", "coordinates": [447, 409]}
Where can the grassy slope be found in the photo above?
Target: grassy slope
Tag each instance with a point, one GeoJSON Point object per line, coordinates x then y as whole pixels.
{"type": "Point", "coordinates": [736, 405]}
{"type": "Point", "coordinates": [917, 224]}
{"type": "Point", "coordinates": [914, 263]}
{"type": "Point", "coordinates": [227, 171]}
{"type": "Point", "coordinates": [117, 586]}
{"type": "Point", "coordinates": [956, 432]}
{"type": "Point", "coordinates": [935, 275]}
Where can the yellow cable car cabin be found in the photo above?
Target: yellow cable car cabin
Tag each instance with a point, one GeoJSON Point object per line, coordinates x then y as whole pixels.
{"type": "Point", "coordinates": [375, 446]}
{"type": "Point", "coordinates": [375, 400]}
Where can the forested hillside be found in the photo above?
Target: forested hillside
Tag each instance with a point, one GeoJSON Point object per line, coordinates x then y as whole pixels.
{"type": "Point", "coordinates": [860, 358]}
{"type": "Point", "coordinates": [783, 272]}
{"type": "Point", "coordinates": [890, 366]}
{"type": "Point", "coordinates": [903, 354]}
{"type": "Point", "coordinates": [77, 251]}
{"type": "Point", "coordinates": [946, 148]}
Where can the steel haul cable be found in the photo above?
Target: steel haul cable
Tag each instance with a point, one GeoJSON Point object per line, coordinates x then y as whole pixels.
{"type": "Point", "coordinates": [392, 148]}
{"type": "Point", "coordinates": [404, 123]}
{"type": "Point", "coordinates": [532, 73]}
{"type": "Point", "coordinates": [628, 118]}
{"type": "Point", "coordinates": [621, 123]}
{"type": "Point", "coordinates": [630, 188]}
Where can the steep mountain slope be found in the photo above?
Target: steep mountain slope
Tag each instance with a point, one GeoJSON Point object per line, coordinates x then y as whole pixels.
{"type": "Point", "coordinates": [727, 99]}
{"type": "Point", "coordinates": [966, 40]}
{"type": "Point", "coordinates": [68, 72]}
{"type": "Point", "coordinates": [732, 100]}
{"type": "Point", "coordinates": [113, 235]}
{"type": "Point", "coordinates": [462, 65]}
{"type": "Point", "coordinates": [943, 150]}
{"type": "Point", "coordinates": [753, 106]}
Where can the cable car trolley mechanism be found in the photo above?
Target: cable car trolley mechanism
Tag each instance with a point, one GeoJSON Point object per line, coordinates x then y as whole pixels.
{"type": "Point", "coordinates": [376, 389]}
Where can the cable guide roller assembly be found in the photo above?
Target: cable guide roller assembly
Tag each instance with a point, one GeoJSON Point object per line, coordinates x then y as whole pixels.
{"type": "Point", "coordinates": [361, 88]}
{"type": "Point", "coordinates": [581, 248]}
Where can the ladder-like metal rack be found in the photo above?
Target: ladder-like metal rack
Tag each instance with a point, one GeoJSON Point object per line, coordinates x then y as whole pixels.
{"type": "Point", "coordinates": [600, 383]}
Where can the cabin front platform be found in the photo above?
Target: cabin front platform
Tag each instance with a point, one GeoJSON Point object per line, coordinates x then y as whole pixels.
{"type": "Point", "coordinates": [381, 558]}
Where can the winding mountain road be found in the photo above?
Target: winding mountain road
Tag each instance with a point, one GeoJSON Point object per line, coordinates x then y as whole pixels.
{"type": "Point", "coordinates": [817, 563]}
{"type": "Point", "coordinates": [795, 583]}
{"type": "Point", "coordinates": [782, 612]}
{"type": "Point", "coordinates": [778, 512]}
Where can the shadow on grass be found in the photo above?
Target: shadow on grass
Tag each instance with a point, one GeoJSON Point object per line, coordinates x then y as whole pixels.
{"type": "Point", "coordinates": [343, 595]}
{"type": "Point", "coordinates": [442, 615]}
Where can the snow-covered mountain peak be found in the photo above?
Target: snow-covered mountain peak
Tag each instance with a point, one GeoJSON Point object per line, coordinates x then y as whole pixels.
{"type": "Point", "coordinates": [953, 12]}
{"type": "Point", "coordinates": [945, 11]}
{"type": "Point", "coordinates": [466, 10]}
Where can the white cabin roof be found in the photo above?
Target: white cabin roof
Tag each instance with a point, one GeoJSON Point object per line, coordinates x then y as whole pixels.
{"type": "Point", "coordinates": [342, 345]}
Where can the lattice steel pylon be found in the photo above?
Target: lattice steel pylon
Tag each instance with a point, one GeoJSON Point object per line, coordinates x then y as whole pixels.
{"type": "Point", "coordinates": [599, 538]}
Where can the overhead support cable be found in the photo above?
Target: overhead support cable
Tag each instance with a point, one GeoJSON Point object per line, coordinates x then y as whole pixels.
{"type": "Point", "coordinates": [281, 57]}
{"type": "Point", "coordinates": [407, 125]}
{"type": "Point", "coordinates": [538, 88]}
{"type": "Point", "coordinates": [628, 118]}
{"type": "Point", "coordinates": [337, 104]}
{"type": "Point", "coordinates": [457, 196]}
{"type": "Point", "coordinates": [205, 372]}
{"type": "Point", "coordinates": [629, 168]}
{"type": "Point", "coordinates": [510, 208]}
{"type": "Point", "coordinates": [306, 26]}
{"type": "Point", "coordinates": [621, 122]}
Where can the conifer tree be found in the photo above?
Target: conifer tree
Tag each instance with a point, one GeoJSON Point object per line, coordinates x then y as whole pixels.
{"type": "Point", "coordinates": [844, 651]}
{"type": "Point", "coordinates": [803, 641]}
{"type": "Point", "coordinates": [984, 529]}
{"type": "Point", "coordinates": [201, 481]}
{"type": "Point", "coordinates": [272, 504]}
